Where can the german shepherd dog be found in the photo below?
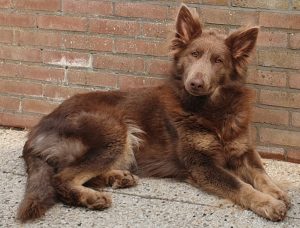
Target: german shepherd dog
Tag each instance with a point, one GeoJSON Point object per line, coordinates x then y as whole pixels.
{"type": "Point", "coordinates": [194, 127]}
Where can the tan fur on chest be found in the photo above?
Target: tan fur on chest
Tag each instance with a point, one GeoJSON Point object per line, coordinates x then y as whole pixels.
{"type": "Point", "coordinates": [213, 146]}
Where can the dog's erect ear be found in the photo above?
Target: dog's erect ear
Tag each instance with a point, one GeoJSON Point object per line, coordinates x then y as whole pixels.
{"type": "Point", "coordinates": [187, 24]}
{"type": "Point", "coordinates": [241, 43]}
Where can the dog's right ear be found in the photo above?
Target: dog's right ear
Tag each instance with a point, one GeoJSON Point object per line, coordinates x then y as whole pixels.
{"type": "Point", "coordinates": [188, 27]}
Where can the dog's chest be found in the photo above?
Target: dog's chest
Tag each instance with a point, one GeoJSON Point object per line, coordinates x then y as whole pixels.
{"type": "Point", "coordinates": [213, 146]}
{"type": "Point", "coordinates": [235, 148]}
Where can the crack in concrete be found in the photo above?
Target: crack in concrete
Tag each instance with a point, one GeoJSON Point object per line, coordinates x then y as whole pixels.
{"type": "Point", "coordinates": [292, 217]}
{"type": "Point", "coordinates": [161, 198]}
{"type": "Point", "coordinates": [17, 174]}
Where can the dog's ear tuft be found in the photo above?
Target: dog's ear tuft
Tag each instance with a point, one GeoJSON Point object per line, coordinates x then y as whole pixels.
{"type": "Point", "coordinates": [241, 43]}
{"type": "Point", "coordinates": [188, 27]}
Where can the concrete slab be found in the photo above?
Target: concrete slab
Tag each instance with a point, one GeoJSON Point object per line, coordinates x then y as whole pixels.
{"type": "Point", "coordinates": [153, 203]}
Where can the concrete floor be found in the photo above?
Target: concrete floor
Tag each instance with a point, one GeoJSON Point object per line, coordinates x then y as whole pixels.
{"type": "Point", "coordinates": [153, 203]}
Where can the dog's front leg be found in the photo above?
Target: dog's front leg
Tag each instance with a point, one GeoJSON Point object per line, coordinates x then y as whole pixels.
{"type": "Point", "coordinates": [217, 180]}
{"type": "Point", "coordinates": [253, 171]}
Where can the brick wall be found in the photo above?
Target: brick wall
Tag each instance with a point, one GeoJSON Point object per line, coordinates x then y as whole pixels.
{"type": "Point", "coordinates": [51, 49]}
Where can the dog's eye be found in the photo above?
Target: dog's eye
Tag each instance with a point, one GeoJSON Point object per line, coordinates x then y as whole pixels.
{"type": "Point", "coordinates": [218, 60]}
{"type": "Point", "coordinates": [195, 54]}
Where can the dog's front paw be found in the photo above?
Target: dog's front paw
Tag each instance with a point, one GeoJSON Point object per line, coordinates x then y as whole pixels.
{"type": "Point", "coordinates": [122, 179]}
{"type": "Point", "coordinates": [272, 209]}
{"type": "Point", "coordinates": [281, 195]}
{"type": "Point", "coordinates": [277, 193]}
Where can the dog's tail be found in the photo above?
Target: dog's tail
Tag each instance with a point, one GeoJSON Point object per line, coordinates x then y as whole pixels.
{"type": "Point", "coordinates": [39, 194]}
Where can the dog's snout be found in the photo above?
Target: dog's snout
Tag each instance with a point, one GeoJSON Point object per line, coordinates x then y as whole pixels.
{"type": "Point", "coordinates": [196, 83]}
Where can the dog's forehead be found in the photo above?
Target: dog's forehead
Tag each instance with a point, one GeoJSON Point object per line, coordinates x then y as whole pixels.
{"type": "Point", "coordinates": [209, 41]}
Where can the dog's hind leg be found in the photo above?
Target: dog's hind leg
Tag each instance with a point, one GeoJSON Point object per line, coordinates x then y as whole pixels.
{"type": "Point", "coordinates": [69, 187]}
{"type": "Point", "coordinates": [110, 142]}
{"type": "Point", "coordinates": [69, 182]}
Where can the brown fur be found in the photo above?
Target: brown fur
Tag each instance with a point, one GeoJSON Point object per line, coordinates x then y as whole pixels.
{"type": "Point", "coordinates": [195, 128]}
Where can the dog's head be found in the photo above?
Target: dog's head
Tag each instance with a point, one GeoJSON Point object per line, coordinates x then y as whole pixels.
{"type": "Point", "coordinates": [206, 60]}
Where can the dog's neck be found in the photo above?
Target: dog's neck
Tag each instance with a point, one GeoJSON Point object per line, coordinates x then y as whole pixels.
{"type": "Point", "coordinates": [219, 101]}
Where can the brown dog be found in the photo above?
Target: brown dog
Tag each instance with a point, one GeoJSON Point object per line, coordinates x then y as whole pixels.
{"type": "Point", "coordinates": [194, 127]}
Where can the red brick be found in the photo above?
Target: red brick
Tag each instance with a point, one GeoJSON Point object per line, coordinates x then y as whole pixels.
{"type": "Point", "coordinates": [274, 4]}
{"type": "Point", "coordinates": [270, 116]}
{"type": "Point", "coordinates": [159, 30]}
{"type": "Point", "coordinates": [88, 42]}
{"type": "Point", "coordinates": [253, 134]}
{"type": "Point", "coordinates": [20, 87]}
{"type": "Point", "coordinates": [295, 40]}
{"type": "Point", "coordinates": [294, 80]}
{"type": "Point", "coordinates": [9, 69]}
{"type": "Point", "coordinates": [279, 20]}
{"type": "Point", "coordinates": [296, 119]}
{"type": "Point", "coordinates": [159, 67]}
{"type": "Point", "coordinates": [215, 2]}
{"type": "Point", "coordinates": [232, 17]}
{"type": "Point", "coordinates": [42, 73]}
{"type": "Point", "coordinates": [272, 39]}
{"type": "Point", "coordinates": [52, 5]}
{"type": "Point", "coordinates": [62, 92]}
{"type": "Point", "coordinates": [18, 120]}
{"type": "Point", "coordinates": [9, 103]}
{"type": "Point", "coordinates": [6, 36]}
{"type": "Point", "coordinates": [38, 38]}
{"type": "Point", "coordinates": [38, 106]}
{"type": "Point", "coordinates": [271, 152]}
{"type": "Point", "coordinates": [129, 82]}
{"type": "Point", "coordinates": [20, 53]}
{"type": "Point", "coordinates": [92, 78]}
{"type": "Point", "coordinates": [255, 92]}
{"type": "Point", "coordinates": [220, 29]}
{"type": "Point", "coordinates": [63, 58]}
{"type": "Point", "coordinates": [296, 4]}
{"type": "Point", "coordinates": [140, 47]}
{"type": "Point", "coordinates": [117, 27]}
{"type": "Point", "coordinates": [116, 62]}
{"type": "Point", "coordinates": [4, 4]}
{"type": "Point", "coordinates": [191, 1]}
{"type": "Point", "coordinates": [62, 23]}
{"type": "Point", "coordinates": [143, 10]}
{"type": "Point", "coordinates": [278, 98]}
{"type": "Point", "coordinates": [88, 7]}
{"type": "Point", "coordinates": [293, 156]}
{"type": "Point", "coordinates": [280, 137]}
{"type": "Point", "coordinates": [279, 58]}
{"type": "Point", "coordinates": [172, 13]}
{"type": "Point", "coordinates": [19, 20]}
{"type": "Point", "coordinates": [270, 78]}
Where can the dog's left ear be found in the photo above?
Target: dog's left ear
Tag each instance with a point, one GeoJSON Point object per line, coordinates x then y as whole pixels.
{"type": "Point", "coordinates": [241, 43]}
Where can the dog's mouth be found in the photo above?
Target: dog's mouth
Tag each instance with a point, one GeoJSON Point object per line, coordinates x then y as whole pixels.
{"type": "Point", "coordinates": [200, 91]}
{"type": "Point", "coordinates": [197, 92]}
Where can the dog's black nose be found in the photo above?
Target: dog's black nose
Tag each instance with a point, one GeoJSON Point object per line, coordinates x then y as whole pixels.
{"type": "Point", "coordinates": [196, 83]}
